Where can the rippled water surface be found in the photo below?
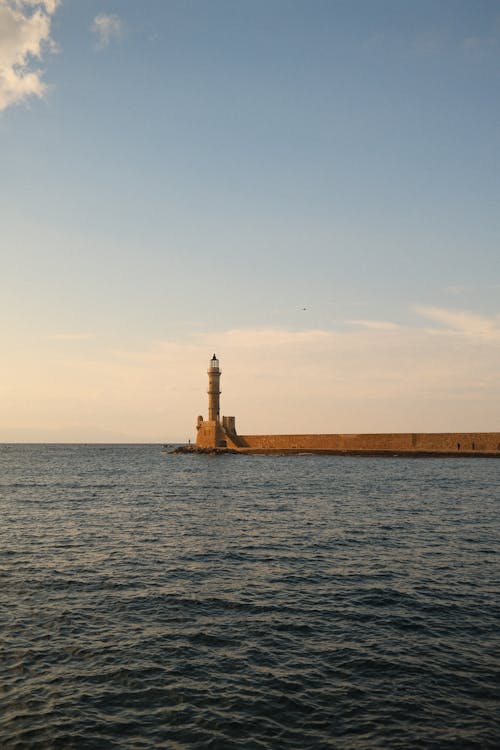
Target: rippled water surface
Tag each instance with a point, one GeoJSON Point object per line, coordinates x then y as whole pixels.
{"type": "Point", "coordinates": [173, 601]}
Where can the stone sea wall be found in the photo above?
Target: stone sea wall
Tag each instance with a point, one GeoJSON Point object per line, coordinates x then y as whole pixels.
{"type": "Point", "coordinates": [435, 442]}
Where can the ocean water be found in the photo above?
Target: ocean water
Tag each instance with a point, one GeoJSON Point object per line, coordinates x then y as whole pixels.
{"type": "Point", "coordinates": [174, 601]}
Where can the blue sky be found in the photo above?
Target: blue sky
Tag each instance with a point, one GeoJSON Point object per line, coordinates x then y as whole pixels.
{"type": "Point", "coordinates": [182, 171]}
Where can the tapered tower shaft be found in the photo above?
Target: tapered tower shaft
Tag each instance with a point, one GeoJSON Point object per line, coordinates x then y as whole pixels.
{"type": "Point", "coordinates": [214, 390]}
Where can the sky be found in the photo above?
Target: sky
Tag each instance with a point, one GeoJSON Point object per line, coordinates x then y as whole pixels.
{"type": "Point", "coordinates": [308, 188]}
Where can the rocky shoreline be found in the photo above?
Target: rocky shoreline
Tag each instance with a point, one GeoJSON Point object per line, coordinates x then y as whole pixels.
{"type": "Point", "coordinates": [195, 449]}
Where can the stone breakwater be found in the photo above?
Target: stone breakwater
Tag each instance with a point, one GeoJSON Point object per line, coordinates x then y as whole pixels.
{"type": "Point", "coordinates": [405, 444]}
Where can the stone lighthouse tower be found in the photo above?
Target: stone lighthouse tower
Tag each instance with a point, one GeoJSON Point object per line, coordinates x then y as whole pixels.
{"type": "Point", "coordinates": [213, 390]}
{"type": "Point", "coordinates": [215, 432]}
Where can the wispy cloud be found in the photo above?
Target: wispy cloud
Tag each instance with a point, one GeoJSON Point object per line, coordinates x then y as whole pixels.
{"type": "Point", "coordinates": [106, 27]}
{"type": "Point", "coordinates": [265, 338]}
{"type": "Point", "coordinates": [70, 336]}
{"type": "Point", "coordinates": [25, 36]}
{"type": "Point", "coordinates": [455, 289]}
{"type": "Point", "coordinates": [474, 44]}
{"type": "Point", "coordinates": [463, 322]}
{"type": "Point", "coordinates": [376, 325]}
{"type": "Point", "coordinates": [430, 42]}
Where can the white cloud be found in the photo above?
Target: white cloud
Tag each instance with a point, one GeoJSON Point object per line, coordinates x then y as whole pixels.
{"type": "Point", "coordinates": [464, 322]}
{"type": "Point", "coordinates": [106, 27]}
{"type": "Point", "coordinates": [430, 42]}
{"type": "Point", "coordinates": [24, 38]}
{"type": "Point", "coordinates": [456, 289]}
{"type": "Point", "coordinates": [70, 336]}
{"type": "Point", "coordinates": [376, 325]}
{"type": "Point", "coordinates": [478, 44]}
{"type": "Point", "coordinates": [264, 338]}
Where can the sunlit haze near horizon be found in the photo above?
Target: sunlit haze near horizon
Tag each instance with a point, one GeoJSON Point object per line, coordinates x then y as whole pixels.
{"type": "Point", "coordinates": [309, 189]}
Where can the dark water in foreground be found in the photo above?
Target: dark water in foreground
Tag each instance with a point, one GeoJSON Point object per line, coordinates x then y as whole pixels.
{"type": "Point", "coordinates": [149, 600]}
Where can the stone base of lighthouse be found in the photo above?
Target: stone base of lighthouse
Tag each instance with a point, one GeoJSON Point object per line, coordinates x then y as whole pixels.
{"type": "Point", "coordinates": [210, 434]}
{"type": "Point", "coordinates": [214, 434]}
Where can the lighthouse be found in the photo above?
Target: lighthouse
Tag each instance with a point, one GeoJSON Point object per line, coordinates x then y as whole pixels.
{"type": "Point", "coordinates": [214, 390]}
{"type": "Point", "coordinates": [215, 432]}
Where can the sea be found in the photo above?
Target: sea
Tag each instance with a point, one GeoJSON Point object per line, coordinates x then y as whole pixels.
{"type": "Point", "coordinates": [151, 600]}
